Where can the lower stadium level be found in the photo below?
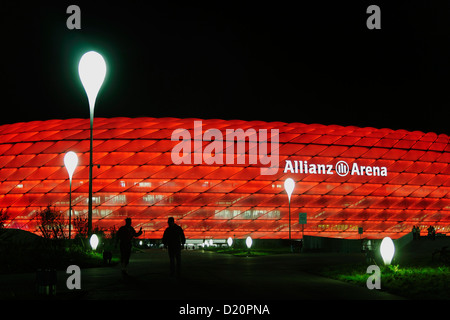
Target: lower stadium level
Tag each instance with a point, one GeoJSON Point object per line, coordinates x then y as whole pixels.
{"type": "Point", "coordinates": [225, 178]}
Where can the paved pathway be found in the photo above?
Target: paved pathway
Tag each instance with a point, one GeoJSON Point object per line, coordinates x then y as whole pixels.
{"type": "Point", "coordinates": [205, 276]}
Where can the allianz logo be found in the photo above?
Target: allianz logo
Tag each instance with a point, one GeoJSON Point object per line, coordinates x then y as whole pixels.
{"type": "Point", "coordinates": [341, 168]}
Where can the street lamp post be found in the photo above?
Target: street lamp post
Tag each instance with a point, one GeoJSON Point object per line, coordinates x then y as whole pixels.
{"type": "Point", "coordinates": [70, 161]}
{"type": "Point", "coordinates": [92, 71]}
{"type": "Point", "coordinates": [289, 185]}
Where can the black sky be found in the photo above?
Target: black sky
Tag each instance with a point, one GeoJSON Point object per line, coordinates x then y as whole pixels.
{"type": "Point", "coordinates": [313, 62]}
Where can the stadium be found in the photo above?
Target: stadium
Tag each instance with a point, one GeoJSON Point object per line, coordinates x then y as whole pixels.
{"type": "Point", "coordinates": [346, 178]}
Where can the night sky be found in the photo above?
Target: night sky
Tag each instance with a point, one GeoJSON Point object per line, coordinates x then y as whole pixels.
{"type": "Point", "coordinates": [312, 63]}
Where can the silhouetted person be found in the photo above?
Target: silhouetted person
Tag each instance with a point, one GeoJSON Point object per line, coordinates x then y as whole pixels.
{"type": "Point", "coordinates": [107, 257]}
{"type": "Point", "coordinates": [431, 233]}
{"type": "Point", "coordinates": [125, 234]}
{"type": "Point", "coordinates": [174, 239]}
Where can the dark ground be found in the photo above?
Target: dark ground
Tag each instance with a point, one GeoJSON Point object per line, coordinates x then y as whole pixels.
{"type": "Point", "coordinates": [205, 276]}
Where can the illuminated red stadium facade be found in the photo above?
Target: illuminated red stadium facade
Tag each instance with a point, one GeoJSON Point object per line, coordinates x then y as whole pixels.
{"type": "Point", "coordinates": [382, 180]}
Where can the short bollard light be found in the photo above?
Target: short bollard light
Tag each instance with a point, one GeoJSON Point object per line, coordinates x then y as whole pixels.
{"type": "Point", "coordinates": [249, 242]}
{"type": "Point", "coordinates": [230, 241]}
{"type": "Point", "coordinates": [94, 241]}
{"type": "Point", "coordinates": [387, 250]}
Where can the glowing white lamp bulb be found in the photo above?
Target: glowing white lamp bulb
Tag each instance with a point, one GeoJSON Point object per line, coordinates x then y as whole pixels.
{"type": "Point", "coordinates": [387, 250]}
{"type": "Point", "coordinates": [249, 242]}
{"type": "Point", "coordinates": [92, 71]}
{"type": "Point", "coordinates": [230, 241]}
{"type": "Point", "coordinates": [289, 185]}
{"type": "Point", "coordinates": [70, 161]}
{"type": "Point", "coordinates": [94, 241]}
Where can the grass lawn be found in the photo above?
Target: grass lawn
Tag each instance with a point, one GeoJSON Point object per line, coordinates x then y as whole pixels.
{"type": "Point", "coordinates": [26, 252]}
{"type": "Point", "coordinates": [418, 278]}
{"type": "Point", "coordinates": [413, 282]}
{"type": "Point", "coordinates": [18, 259]}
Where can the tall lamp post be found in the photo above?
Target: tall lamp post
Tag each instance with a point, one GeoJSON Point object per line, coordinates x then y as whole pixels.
{"type": "Point", "coordinates": [70, 161]}
{"type": "Point", "coordinates": [92, 71]}
{"type": "Point", "coordinates": [289, 185]}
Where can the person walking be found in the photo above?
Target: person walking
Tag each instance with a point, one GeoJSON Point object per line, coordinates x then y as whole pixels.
{"type": "Point", "coordinates": [124, 235]}
{"type": "Point", "coordinates": [173, 240]}
{"type": "Point", "coordinates": [414, 232]}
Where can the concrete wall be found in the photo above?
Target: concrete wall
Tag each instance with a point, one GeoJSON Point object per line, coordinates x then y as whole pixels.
{"type": "Point", "coordinates": [322, 244]}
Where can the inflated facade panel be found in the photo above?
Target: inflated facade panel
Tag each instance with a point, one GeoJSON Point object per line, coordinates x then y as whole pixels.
{"type": "Point", "coordinates": [382, 180]}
